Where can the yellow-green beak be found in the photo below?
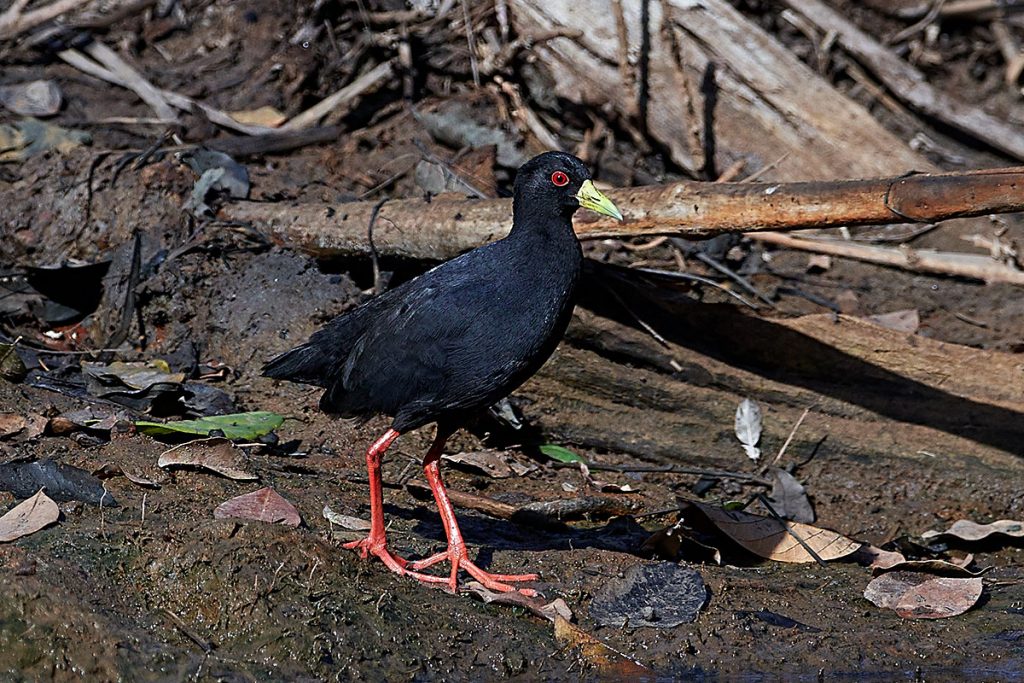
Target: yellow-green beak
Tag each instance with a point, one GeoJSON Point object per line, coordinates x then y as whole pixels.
{"type": "Point", "coordinates": [591, 198]}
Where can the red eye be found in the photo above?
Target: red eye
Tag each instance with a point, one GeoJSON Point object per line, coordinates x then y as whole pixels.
{"type": "Point", "coordinates": [559, 179]}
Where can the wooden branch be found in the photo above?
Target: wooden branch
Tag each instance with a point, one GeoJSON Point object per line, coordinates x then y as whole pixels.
{"type": "Point", "coordinates": [909, 84]}
{"type": "Point", "coordinates": [14, 22]}
{"type": "Point", "coordinates": [975, 266]}
{"type": "Point", "coordinates": [449, 225]}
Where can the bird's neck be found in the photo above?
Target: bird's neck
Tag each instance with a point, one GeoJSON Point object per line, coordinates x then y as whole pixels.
{"type": "Point", "coordinates": [532, 219]}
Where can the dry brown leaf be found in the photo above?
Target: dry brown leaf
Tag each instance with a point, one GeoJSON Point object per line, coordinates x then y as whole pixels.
{"type": "Point", "coordinates": [11, 424]}
{"type": "Point", "coordinates": [216, 454]}
{"type": "Point", "coordinates": [876, 558]}
{"type": "Point", "coordinates": [488, 462]}
{"type": "Point", "coordinates": [28, 517]}
{"type": "Point", "coordinates": [549, 611]}
{"type": "Point", "coordinates": [907, 320]}
{"type": "Point", "coordinates": [967, 530]}
{"type": "Point", "coordinates": [768, 538]}
{"type": "Point", "coordinates": [264, 116]}
{"type": "Point", "coordinates": [939, 598]}
{"type": "Point", "coordinates": [608, 662]}
{"type": "Point", "coordinates": [264, 505]}
{"type": "Point", "coordinates": [914, 595]}
{"type": "Point", "coordinates": [345, 521]}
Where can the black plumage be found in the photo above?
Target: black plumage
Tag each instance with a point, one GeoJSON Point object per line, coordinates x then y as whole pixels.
{"type": "Point", "coordinates": [461, 336]}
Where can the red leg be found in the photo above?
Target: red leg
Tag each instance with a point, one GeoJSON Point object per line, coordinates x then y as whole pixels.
{"type": "Point", "coordinates": [376, 543]}
{"type": "Point", "coordinates": [456, 553]}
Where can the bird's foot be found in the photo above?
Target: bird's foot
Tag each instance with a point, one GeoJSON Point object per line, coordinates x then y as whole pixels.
{"type": "Point", "coordinates": [378, 547]}
{"type": "Point", "coordinates": [459, 559]}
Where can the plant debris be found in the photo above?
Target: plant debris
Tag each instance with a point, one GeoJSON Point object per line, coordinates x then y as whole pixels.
{"type": "Point", "coordinates": [264, 505]}
{"type": "Point", "coordinates": [28, 517]}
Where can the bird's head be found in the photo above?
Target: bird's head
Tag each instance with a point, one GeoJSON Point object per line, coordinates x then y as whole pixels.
{"type": "Point", "coordinates": [560, 183]}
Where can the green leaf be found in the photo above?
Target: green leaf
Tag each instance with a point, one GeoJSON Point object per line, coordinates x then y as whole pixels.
{"type": "Point", "coordinates": [560, 453]}
{"type": "Point", "coordinates": [734, 505]}
{"type": "Point", "coordinates": [234, 426]}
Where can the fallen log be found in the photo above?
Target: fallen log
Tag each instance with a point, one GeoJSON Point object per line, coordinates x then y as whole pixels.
{"type": "Point", "coordinates": [449, 225]}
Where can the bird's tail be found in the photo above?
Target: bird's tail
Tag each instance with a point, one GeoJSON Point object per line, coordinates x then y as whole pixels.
{"type": "Point", "coordinates": [307, 364]}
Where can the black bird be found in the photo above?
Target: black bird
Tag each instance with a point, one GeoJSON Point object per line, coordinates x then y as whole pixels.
{"type": "Point", "coordinates": [451, 342]}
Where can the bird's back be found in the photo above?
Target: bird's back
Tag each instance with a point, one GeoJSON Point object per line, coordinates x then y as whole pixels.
{"type": "Point", "coordinates": [447, 343]}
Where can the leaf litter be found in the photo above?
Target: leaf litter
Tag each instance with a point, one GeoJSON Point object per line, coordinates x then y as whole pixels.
{"type": "Point", "coordinates": [28, 517]}
{"type": "Point", "coordinates": [63, 482]}
{"type": "Point", "coordinates": [748, 427]}
{"type": "Point", "coordinates": [966, 530]}
{"type": "Point", "coordinates": [916, 595]}
{"type": "Point", "coordinates": [246, 426]}
{"type": "Point", "coordinates": [215, 454]}
{"type": "Point", "coordinates": [263, 505]}
{"type": "Point", "coordinates": [659, 595]}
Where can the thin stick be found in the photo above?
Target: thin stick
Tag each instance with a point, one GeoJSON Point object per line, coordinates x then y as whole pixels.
{"type": "Point", "coordinates": [312, 116]}
{"type": "Point", "coordinates": [789, 438]}
{"type": "Point", "coordinates": [974, 266]}
{"type": "Point", "coordinates": [778, 518]}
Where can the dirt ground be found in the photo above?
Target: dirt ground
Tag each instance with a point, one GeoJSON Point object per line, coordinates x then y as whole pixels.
{"type": "Point", "coordinates": [158, 589]}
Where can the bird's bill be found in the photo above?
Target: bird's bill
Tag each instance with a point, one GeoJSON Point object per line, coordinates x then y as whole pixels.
{"type": "Point", "coordinates": [591, 198]}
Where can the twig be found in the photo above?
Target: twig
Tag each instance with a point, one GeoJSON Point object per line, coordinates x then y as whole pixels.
{"type": "Point", "coordinates": [789, 439]}
{"type": "Point", "coordinates": [974, 266]}
{"type": "Point", "coordinates": [86, 65]}
{"type": "Point", "coordinates": [13, 22]}
{"type": "Point", "coordinates": [311, 116]}
{"type": "Point", "coordinates": [146, 91]}
{"type": "Point", "coordinates": [471, 43]}
{"type": "Point", "coordinates": [377, 283]}
{"type": "Point", "coordinates": [1010, 48]}
{"type": "Point", "coordinates": [670, 469]}
{"type": "Point", "coordinates": [205, 645]}
{"type": "Point", "coordinates": [933, 13]}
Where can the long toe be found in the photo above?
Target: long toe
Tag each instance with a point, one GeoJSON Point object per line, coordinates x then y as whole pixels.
{"type": "Point", "coordinates": [495, 582]}
{"type": "Point", "coordinates": [429, 561]}
{"type": "Point", "coordinates": [378, 548]}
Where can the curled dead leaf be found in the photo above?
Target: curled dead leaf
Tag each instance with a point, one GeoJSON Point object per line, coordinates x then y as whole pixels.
{"type": "Point", "coordinates": [769, 538]}
{"type": "Point", "coordinates": [967, 530]}
{"type": "Point", "coordinates": [216, 454]}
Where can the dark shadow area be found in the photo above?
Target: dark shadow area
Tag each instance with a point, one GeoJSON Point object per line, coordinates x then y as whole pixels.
{"type": "Point", "coordinates": [775, 352]}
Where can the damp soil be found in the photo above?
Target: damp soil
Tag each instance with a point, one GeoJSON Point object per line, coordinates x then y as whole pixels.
{"type": "Point", "coordinates": [157, 589]}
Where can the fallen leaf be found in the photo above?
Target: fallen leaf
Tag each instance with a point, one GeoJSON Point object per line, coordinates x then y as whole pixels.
{"type": "Point", "coordinates": [63, 482]}
{"type": "Point", "coordinates": [940, 598]}
{"type": "Point", "coordinates": [216, 454]}
{"type": "Point", "coordinates": [488, 462]}
{"type": "Point", "coordinates": [235, 426]}
{"type": "Point", "coordinates": [35, 98]}
{"type": "Point", "coordinates": [28, 517]}
{"type": "Point", "coordinates": [560, 453]}
{"type": "Point", "coordinates": [819, 263]}
{"type": "Point", "coordinates": [264, 116]}
{"type": "Point", "coordinates": [30, 137]}
{"type": "Point", "coordinates": [549, 611]}
{"type": "Point", "coordinates": [346, 521]}
{"type": "Point", "coordinates": [12, 368]}
{"type": "Point", "coordinates": [11, 424]}
{"type": "Point", "coordinates": [748, 427]}
{"type": "Point", "coordinates": [907, 320]}
{"type": "Point", "coordinates": [876, 558]}
{"type": "Point", "coordinates": [660, 595]}
{"type": "Point", "coordinates": [217, 172]}
{"type": "Point", "coordinates": [264, 505]}
{"type": "Point", "coordinates": [967, 530]}
{"type": "Point", "coordinates": [768, 538]}
{"type": "Point", "coordinates": [679, 542]}
{"type": "Point", "coordinates": [607, 661]}
{"type": "Point", "coordinates": [789, 497]}
{"type": "Point", "coordinates": [914, 595]}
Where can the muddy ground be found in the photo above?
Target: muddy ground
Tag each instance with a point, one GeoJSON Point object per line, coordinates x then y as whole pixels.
{"type": "Point", "coordinates": [158, 589]}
